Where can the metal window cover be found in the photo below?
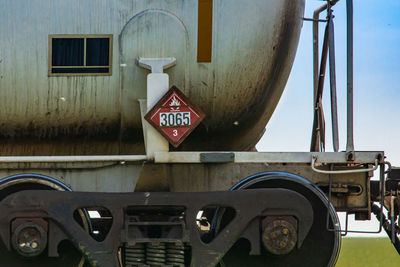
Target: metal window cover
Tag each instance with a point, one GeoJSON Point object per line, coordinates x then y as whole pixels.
{"type": "Point", "coordinates": [109, 68]}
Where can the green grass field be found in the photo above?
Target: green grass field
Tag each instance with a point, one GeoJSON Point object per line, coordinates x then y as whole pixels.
{"type": "Point", "coordinates": [366, 252]}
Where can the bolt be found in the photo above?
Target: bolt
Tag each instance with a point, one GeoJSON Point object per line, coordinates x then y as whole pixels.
{"type": "Point", "coordinates": [34, 245]}
{"type": "Point", "coordinates": [283, 244]}
{"type": "Point", "coordinates": [285, 231]}
{"type": "Point", "coordinates": [29, 239]}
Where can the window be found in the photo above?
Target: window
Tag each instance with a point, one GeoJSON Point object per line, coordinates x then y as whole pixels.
{"type": "Point", "coordinates": [71, 55]}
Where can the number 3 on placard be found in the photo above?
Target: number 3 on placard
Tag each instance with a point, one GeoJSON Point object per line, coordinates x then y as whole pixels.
{"type": "Point", "coordinates": [175, 132]}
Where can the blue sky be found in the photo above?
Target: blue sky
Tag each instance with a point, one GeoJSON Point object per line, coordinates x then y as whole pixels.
{"type": "Point", "coordinates": [376, 85]}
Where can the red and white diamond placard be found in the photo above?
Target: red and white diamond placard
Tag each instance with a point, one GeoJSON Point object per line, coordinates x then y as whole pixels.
{"type": "Point", "coordinates": [175, 116]}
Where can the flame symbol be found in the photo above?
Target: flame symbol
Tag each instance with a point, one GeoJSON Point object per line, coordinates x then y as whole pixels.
{"type": "Point", "coordinates": [174, 102]}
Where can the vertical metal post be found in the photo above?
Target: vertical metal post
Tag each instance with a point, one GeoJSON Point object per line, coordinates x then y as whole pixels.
{"type": "Point", "coordinates": [332, 75]}
{"type": "Point", "coordinates": [350, 139]}
{"type": "Point", "coordinates": [316, 50]}
{"type": "Point", "coordinates": [315, 138]}
{"type": "Point", "coordinates": [157, 86]}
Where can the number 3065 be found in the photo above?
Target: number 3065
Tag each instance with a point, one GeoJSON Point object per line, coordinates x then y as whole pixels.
{"type": "Point", "coordinates": [175, 119]}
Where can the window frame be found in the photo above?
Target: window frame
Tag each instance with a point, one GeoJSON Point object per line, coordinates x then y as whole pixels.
{"type": "Point", "coordinates": [84, 37]}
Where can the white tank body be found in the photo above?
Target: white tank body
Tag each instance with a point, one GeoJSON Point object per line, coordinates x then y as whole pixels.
{"type": "Point", "coordinates": [252, 50]}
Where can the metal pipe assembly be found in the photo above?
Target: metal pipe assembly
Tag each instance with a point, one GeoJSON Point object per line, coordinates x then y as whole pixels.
{"type": "Point", "coordinates": [318, 132]}
{"type": "Point", "coordinates": [316, 20]}
{"type": "Point", "coordinates": [319, 73]}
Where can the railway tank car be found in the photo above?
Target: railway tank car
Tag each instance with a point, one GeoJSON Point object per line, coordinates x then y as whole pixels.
{"type": "Point", "coordinates": [62, 113]}
{"type": "Point", "coordinates": [92, 174]}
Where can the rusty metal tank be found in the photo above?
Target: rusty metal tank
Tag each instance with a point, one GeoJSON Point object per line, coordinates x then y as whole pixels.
{"type": "Point", "coordinates": [252, 44]}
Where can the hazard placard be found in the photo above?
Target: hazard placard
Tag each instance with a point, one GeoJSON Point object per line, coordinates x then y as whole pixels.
{"type": "Point", "coordinates": [175, 116]}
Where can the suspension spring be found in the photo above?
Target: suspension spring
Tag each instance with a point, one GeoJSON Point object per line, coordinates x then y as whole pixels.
{"type": "Point", "coordinates": [175, 255]}
{"type": "Point", "coordinates": [135, 255]}
{"type": "Point", "coordinates": [155, 254]}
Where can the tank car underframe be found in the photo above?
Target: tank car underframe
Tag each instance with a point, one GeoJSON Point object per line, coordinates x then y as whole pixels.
{"type": "Point", "coordinates": [206, 171]}
{"type": "Point", "coordinates": [347, 183]}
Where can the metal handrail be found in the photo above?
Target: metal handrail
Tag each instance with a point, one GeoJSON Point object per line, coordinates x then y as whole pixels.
{"type": "Point", "coordinates": [314, 159]}
{"type": "Point", "coordinates": [318, 132]}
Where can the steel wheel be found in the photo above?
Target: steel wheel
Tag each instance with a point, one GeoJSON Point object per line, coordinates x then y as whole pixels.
{"type": "Point", "coordinates": [320, 248]}
{"type": "Point", "coordinates": [69, 255]}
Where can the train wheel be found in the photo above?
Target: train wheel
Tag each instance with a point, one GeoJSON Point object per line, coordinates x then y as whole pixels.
{"type": "Point", "coordinates": [321, 246]}
{"type": "Point", "coordinates": [69, 256]}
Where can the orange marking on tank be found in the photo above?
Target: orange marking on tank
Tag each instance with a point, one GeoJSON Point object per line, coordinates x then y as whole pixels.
{"type": "Point", "coordinates": [204, 34]}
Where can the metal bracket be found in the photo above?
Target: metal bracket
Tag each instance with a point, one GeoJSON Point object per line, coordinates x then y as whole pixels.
{"type": "Point", "coordinates": [217, 157]}
{"type": "Point", "coordinates": [156, 65]}
{"type": "Point", "coordinates": [157, 86]}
